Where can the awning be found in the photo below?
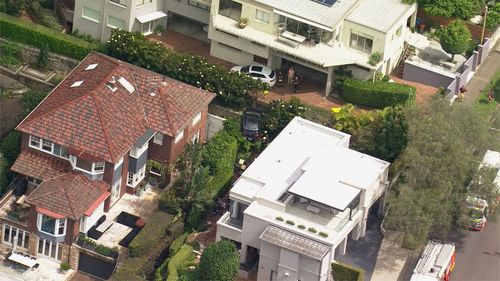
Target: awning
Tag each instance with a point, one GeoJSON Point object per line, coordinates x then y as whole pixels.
{"type": "Point", "coordinates": [151, 17]}
{"type": "Point", "coordinates": [302, 20]}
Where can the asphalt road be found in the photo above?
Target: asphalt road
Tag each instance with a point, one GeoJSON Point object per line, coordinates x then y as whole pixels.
{"type": "Point", "coordinates": [478, 254]}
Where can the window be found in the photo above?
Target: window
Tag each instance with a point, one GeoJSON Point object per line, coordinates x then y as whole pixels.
{"type": "Point", "coordinates": [52, 226]}
{"type": "Point", "coordinates": [137, 151]}
{"type": "Point", "coordinates": [35, 182]}
{"type": "Point", "coordinates": [142, 2]}
{"type": "Point", "coordinates": [397, 33]}
{"type": "Point", "coordinates": [134, 179]}
{"type": "Point", "coordinates": [179, 136]}
{"type": "Point", "coordinates": [99, 167]}
{"type": "Point", "coordinates": [115, 190]}
{"type": "Point", "coordinates": [196, 118]}
{"type": "Point", "coordinates": [195, 3]}
{"type": "Point", "coordinates": [361, 42]}
{"type": "Point", "coordinates": [92, 66]}
{"type": "Point", "coordinates": [116, 22]}
{"type": "Point", "coordinates": [91, 14]}
{"type": "Point", "coordinates": [76, 84]}
{"type": "Point", "coordinates": [119, 2]}
{"type": "Point", "coordinates": [49, 249]}
{"type": "Point", "coordinates": [10, 232]}
{"type": "Point", "coordinates": [130, 178]}
{"type": "Point", "coordinates": [158, 138]}
{"type": "Point", "coordinates": [262, 16]}
{"type": "Point", "coordinates": [47, 145]}
{"type": "Point", "coordinates": [35, 141]}
{"type": "Point", "coordinates": [196, 137]}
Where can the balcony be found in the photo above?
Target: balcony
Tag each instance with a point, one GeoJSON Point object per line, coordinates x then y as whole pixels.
{"type": "Point", "coordinates": [230, 9]}
{"type": "Point", "coordinates": [12, 207]}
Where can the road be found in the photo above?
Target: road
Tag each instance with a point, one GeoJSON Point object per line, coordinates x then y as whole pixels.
{"type": "Point", "coordinates": [478, 254]}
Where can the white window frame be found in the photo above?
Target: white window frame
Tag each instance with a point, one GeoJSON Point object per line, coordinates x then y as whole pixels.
{"type": "Point", "coordinates": [196, 119]}
{"type": "Point", "coordinates": [179, 136]}
{"type": "Point", "coordinates": [136, 151]}
{"type": "Point", "coordinates": [37, 140]}
{"type": "Point", "coordinates": [134, 179]}
{"type": "Point", "coordinates": [88, 17]}
{"type": "Point", "coordinates": [47, 143]}
{"type": "Point", "coordinates": [119, 3]}
{"type": "Point", "coordinates": [365, 37]}
{"type": "Point", "coordinates": [158, 138]}
{"type": "Point", "coordinates": [40, 145]}
{"type": "Point", "coordinates": [56, 227]}
{"type": "Point", "coordinates": [58, 249]}
{"type": "Point", "coordinates": [115, 190]}
{"type": "Point", "coordinates": [144, 2]}
{"type": "Point", "coordinates": [23, 242]}
{"type": "Point", "coordinates": [97, 165]}
{"type": "Point", "coordinates": [115, 26]}
{"type": "Point", "coordinates": [196, 137]}
{"type": "Point", "coordinates": [262, 16]}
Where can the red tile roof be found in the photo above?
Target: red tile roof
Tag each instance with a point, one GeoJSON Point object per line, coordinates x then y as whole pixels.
{"type": "Point", "coordinates": [39, 165]}
{"type": "Point", "coordinates": [94, 120]}
{"type": "Point", "coordinates": [70, 195]}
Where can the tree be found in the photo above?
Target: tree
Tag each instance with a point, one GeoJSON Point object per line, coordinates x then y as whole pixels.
{"type": "Point", "coordinates": [219, 262]}
{"type": "Point", "coordinates": [461, 9]}
{"type": "Point", "coordinates": [493, 18]}
{"type": "Point", "coordinates": [455, 38]}
{"type": "Point", "coordinates": [4, 179]}
{"type": "Point", "coordinates": [31, 99]}
{"type": "Point", "coordinates": [392, 138]}
{"type": "Point", "coordinates": [437, 165]}
{"type": "Point", "coordinates": [281, 114]}
{"type": "Point", "coordinates": [43, 57]}
{"type": "Point", "coordinates": [12, 7]}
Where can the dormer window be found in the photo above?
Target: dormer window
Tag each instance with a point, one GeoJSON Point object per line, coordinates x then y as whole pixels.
{"type": "Point", "coordinates": [158, 138]}
{"type": "Point", "coordinates": [179, 136]}
{"type": "Point", "coordinates": [98, 167]}
{"type": "Point", "coordinates": [41, 144]}
{"type": "Point", "coordinates": [76, 84]}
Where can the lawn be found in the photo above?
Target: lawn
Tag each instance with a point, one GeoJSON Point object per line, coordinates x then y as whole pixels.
{"type": "Point", "coordinates": [482, 105]}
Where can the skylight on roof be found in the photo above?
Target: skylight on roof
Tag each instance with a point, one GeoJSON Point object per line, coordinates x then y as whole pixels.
{"type": "Point", "coordinates": [126, 84]}
{"type": "Point", "coordinates": [91, 66]}
{"type": "Point", "coordinates": [76, 84]}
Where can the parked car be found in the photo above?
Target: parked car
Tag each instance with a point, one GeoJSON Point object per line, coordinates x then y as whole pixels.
{"type": "Point", "coordinates": [263, 73]}
{"type": "Point", "coordinates": [251, 125]}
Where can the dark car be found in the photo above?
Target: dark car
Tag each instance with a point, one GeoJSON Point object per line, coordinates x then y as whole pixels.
{"type": "Point", "coordinates": [251, 125]}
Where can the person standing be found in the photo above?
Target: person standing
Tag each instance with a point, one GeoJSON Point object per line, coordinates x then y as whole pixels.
{"type": "Point", "coordinates": [291, 74]}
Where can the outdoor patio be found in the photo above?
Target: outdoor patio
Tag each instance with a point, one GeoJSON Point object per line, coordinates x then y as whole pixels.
{"type": "Point", "coordinates": [47, 270]}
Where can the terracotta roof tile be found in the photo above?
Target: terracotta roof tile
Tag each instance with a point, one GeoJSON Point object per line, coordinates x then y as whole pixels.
{"type": "Point", "coordinates": [94, 120]}
{"type": "Point", "coordinates": [70, 195]}
{"type": "Point", "coordinates": [37, 165]}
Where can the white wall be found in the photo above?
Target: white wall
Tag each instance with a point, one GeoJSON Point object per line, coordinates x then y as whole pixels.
{"type": "Point", "coordinates": [181, 7]}
{"type": "Point", "coordinates": [94, 217]}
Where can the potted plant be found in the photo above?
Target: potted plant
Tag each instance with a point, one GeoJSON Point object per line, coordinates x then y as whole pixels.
{"type": "Point", "coordinates": [158, 30]}
{"type": "Point", "coordinates": [64, 267]}
{"type": "Point", "coordinates": [242, 22]}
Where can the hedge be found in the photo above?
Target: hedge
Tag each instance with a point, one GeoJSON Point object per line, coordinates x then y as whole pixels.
{"type": "Point", "coordinates": [377, 94]}
{"type": "Point", "coordinates": [180, 260]}
{"type": "Point", "coordinates": [4, 174]}
{"type": "Point", "coordinates": [347, 273]}
{"type": "Point", "coordinates": [151, 235]}
{"type": "Point", "coordinates": [14, 29]}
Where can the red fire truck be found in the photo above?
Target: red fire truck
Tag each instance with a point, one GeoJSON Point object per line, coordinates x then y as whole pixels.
{"type": "Point", "coordinates": [436, 263]}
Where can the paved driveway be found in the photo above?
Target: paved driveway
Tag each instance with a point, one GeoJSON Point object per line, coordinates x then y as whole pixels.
{"type": "Point", "coordinates": [363, 252]}
{"type": "Point", "coordinates": [478, 254]}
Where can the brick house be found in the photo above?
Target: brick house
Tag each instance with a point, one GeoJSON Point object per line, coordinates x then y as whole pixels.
{"type": "Point", "coordinates": [87, 144]}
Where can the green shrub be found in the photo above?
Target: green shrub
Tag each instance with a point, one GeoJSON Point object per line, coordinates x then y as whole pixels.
{"type": "Point", "coordinates": [64, 266]}
{"type": "Point", "coordinates": [47, 4]}
{"type": "Point", "coordinates": [220, 152]}
{"type": "Point", "coordinates": [4, 174]}
{"type": "Point", "coordinates": [177, 244]}
{"type": "Point", "coordinates": [378, 94]}
{"type": "Point", "coordinates": [231, 88]}
{"type": "Point", "coordinates": [280, 218]}
{"type": "Point", "coordinates": [12, 7]}
{"type": "Point", "coordinates": [493, 18]}
{"type": "Point", "coordinates": [45, 16]}
{"type": "Point", "coordinates": [374, 58]}
{"type": "Point", "coordinates": [347, 273]}
{"type": "Point", "coordinates": [152, 233]}
{"type": "Point", "coordinates": [312, 229]}
{"type": "Point", "coordinates": [323, 234]}
{"type": "Point", "coordinates": [42, 61]}
{"type": "Point", "coordinates": [176, 229]}
{"type": "Point", "coordinates": [180, 260]}
{"type": "Point", "coordinates": [219, 261]}
{"type": "Point", "coordinates": [100, 249]}
{"type": "Point", "coordinates": [290, 222]}
{"type": "Point", "coordinates": [281, 114]}
{"type": "Point", "coordinates": [10, 147]}
{"type": "Point", "coordinates": [169, 202]}
{"type": "Point", "coordinates": [14, 29]}
{"type": "Point", "coordinates": [130, 270]}
{"type": "Point", "coordinates": [10, 54]}
{"type": "Point", "coordinates": [196, 216]}
{"type": "Point", "coordinates": [31, 99]}
{"type": "Point", "coordinates": [301, 226]}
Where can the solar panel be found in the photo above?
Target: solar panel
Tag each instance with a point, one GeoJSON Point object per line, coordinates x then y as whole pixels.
{"type": "Point", "coordinates": [328, 3]}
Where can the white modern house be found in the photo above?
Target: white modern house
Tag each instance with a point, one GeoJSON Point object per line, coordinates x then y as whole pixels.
{"type": "Point", "coordinates": [293, 209]}
{"type": "Point", "coordinates": [316, 35]}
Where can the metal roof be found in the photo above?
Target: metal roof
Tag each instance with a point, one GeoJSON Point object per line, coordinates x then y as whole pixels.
{"type": "Point", "coordinates": [294, 242]}
{"type": "Point", "coordinates": [379, 14]}
{"type": "Point", "coordinates": [312, 11]}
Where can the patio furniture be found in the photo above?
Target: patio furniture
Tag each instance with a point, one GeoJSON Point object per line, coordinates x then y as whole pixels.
{"type": "Point", "coordinates": [293, 36]}
{"type": "Point", "coordinates": [313, 209]}
{"type": "Point", "coordinates": [105, 225]}
{"type": "Point", "coordinates": [21, 259]}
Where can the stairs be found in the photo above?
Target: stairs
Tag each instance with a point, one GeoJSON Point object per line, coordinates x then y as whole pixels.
{"type": "Point", "coordinates": [398, 70]}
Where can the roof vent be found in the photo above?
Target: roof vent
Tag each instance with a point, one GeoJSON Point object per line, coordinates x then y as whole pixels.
{"type": "Point", "coordinates": [76, 84]}
{"type": "Point", "coordinates": [91, 66]}
{"type": "Point", "coordinates": [163, 83]}
{"type": "Point", "coordinates": [111, 86]}
{"type": "Point", "coordinates": [152, 94]}
{"type": "Point", "coordinates": [124, 82]}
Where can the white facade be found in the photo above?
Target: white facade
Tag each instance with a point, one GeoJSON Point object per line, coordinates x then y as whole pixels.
{"type": "Point", "coordinates": [307, 184]}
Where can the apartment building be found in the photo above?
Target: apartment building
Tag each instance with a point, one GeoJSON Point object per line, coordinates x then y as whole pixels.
{"type": "Point", "coordinates": [86, 145]}
{"type": "Point", "coordinates": [293, 208]}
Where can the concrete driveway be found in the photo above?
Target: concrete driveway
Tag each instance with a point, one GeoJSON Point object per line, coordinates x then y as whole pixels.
{"type": "Point", "coordinates": [363, 252]}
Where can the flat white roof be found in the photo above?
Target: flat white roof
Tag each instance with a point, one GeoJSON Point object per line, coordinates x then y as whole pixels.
{"type": "Point", "coordinates": [308, 10]}
{"type": "Point", "coordinates": [151, 16]}
{"type": "Point", "coordinates": [312, 161]}
{"type": "Point", "coordinates": [379, 14]}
